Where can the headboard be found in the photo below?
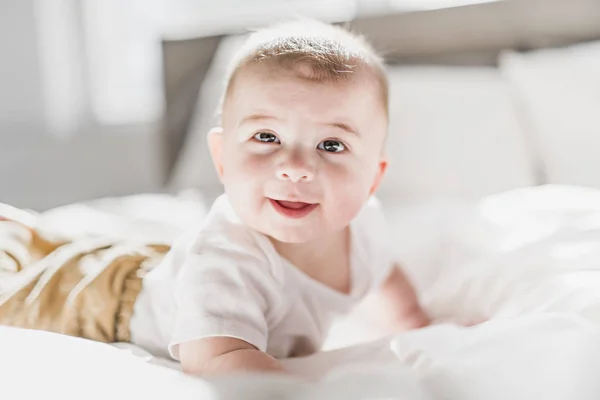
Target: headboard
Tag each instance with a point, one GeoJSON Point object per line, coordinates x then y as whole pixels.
{"type": "Point", "coordinates": [467, 35]}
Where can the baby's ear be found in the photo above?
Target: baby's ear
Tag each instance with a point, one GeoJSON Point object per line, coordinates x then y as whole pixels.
{"type": "Point", "coordinates": [215, 144]}
{"type": "Point", "coordinates": [381, 168]}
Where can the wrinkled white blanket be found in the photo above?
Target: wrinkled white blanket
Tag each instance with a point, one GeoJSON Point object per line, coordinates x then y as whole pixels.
{"type": "Point", "coordinates": [527, 260]}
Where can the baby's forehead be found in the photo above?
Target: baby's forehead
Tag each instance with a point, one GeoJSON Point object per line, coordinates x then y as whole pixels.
{"type": "Point", "coordinates": [260, 79]}
{"type": "Point", "coordinates": [281, 98]}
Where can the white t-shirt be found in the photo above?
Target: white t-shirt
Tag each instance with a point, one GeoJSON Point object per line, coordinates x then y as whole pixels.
{"type": "Point", "coordinates": [228, 280]}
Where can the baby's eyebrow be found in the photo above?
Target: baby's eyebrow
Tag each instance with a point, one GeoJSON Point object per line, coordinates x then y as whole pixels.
{"type": "Point", "coordinates": [345, 127]}
{"type": "Point", "coordinates": [255, 117]}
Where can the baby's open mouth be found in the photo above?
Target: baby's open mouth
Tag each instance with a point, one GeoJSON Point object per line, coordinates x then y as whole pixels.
{"type": "Point", "coordinates": [292, 209]}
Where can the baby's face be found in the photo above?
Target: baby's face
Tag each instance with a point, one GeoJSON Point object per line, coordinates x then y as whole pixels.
{"type": "Point", "coordinates": [298, 159]}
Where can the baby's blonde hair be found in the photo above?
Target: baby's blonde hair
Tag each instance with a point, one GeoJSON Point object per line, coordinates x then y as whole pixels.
{"type": "Point", "coordinates": [332, 54]}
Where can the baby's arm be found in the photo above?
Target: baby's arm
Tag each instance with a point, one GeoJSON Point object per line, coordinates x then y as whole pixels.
{"type": "Point", "coordinates": [222, 355]}
{"type": "Point", "coordinates": [400, 302]}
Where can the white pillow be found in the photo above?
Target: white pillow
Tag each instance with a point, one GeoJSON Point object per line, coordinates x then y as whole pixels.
{"type": "Point", "coordinates": [559, 91]}
{"type": "Point", "coordinates": [454, 133]}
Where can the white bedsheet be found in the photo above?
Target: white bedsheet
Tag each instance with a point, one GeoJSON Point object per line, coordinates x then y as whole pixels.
{"type": "Point", "coordinates": [529, 260]}
{"type": "Point", "coordinates": [546, 357]}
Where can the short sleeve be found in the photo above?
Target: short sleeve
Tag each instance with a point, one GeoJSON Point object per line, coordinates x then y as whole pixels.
{"type": "Point", "coordinates": [222, 293]}
{"type": "Point", "coordinates": [377, 257]}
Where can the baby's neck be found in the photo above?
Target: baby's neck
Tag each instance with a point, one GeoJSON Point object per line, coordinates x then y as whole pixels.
{"type": "Point", "coordinates": [311, 257]}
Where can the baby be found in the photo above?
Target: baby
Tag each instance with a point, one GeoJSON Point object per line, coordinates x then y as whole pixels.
{"type": "Point", "coordinates": [297, 239]}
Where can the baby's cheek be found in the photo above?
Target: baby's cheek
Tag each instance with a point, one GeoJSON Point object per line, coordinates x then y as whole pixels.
{"type": "Point", "coordinates": [348, 181]}
{"type": "Point", "coordinates": [251, 166]}
{"type": "Point", "coordinates": [347, 209]}
{"type": "Point", "coordinates": [347, 193]}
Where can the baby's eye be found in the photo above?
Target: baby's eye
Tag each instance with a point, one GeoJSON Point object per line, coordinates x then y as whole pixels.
{"type": "Point", "coordinates": [331, 146]}
{"type": "Point", "coordinates": [266, 137]}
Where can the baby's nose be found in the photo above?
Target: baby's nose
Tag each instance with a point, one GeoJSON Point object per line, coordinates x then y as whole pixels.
{"type": "Point", "coordinates": [295, 176]}
{"type": "Point", "coordinates": [295, 172]}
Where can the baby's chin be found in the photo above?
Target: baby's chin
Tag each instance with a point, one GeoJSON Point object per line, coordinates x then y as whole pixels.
{"type": "Point", "coordinates": [291, 236]}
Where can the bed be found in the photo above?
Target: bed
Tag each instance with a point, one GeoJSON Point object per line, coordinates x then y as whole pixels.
{"type": "Point", "coordinates": [522, 265]}
{"type": "Point", "coordinates": [494, 201]}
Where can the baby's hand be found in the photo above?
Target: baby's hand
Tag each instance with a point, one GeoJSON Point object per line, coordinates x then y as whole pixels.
{"type": "Point", "coordinates": [401, 303]}
{"type": "Point", "coordinates": [418, 319]}
{"type": "Point", "coordinates": [473, 321]}
{"type": "Point", "coordinates": [466, 322]}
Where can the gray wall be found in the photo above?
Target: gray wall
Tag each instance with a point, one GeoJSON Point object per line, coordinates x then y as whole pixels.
{"type": "Point", "coordinates": [40, 171]}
